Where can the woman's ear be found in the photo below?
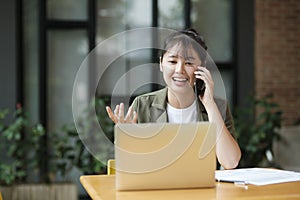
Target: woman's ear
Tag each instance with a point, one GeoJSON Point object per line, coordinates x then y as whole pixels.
{"type": "Point", "coordinates": [160, 64]}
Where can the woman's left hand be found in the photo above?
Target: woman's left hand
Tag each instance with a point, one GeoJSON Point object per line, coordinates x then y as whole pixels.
{"type": "Point", "coordinates": [118, 115]}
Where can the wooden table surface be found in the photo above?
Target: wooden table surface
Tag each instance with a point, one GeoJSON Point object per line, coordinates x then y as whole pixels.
{"type": "Point", "coordinates": [102, 187]}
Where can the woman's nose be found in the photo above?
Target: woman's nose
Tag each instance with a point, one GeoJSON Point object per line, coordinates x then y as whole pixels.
{"type": "Point", "coordinates": [180, 67]}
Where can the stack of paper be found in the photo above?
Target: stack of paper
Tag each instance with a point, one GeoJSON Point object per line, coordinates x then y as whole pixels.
{"type": "Point", "coordinates": [257, 176]}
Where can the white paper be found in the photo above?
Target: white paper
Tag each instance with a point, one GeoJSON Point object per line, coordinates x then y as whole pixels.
{"type": "Point", "coordinates": [257, 176]}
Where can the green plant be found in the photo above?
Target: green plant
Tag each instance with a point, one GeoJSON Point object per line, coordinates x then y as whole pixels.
{"type": "Point", "coordinates": [256, 128]}
{"type": "Point", "coordinates": [21, 152]}
{"type": "Point", "coordinates": [68, 149]}
{"type": "Point", "coordinates": [20, 145]}
{"type": "Point", "coordinates": [69, 152]}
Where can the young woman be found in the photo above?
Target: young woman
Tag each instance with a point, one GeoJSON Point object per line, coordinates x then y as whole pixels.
{"type": "Point", "coordinates": [182, 63]}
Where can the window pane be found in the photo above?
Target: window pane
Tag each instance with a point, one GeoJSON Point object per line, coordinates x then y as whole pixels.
{"type": "Point", "coordinates": [66, 51]}
{"type": "Point", "coordinates": [67, 10]}
{"type": "Point", "coordinates": [126, 73]}
{"type": "Point", "coordinates": [31, 82]}
{"type": "Point", "coordinates": [213, 19]}
{"type": "Point", "coordinates": [110, 18]}
{"type": "Point", "coordinates": [138, 13]}
{"type": "Point", "coordinates": [114, 17]}
{"type": "Point", "coordinates": [171, 14]}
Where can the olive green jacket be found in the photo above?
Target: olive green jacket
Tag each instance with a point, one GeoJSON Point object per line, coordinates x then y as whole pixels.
{"type": "Point", "coordinates": [151, 107]}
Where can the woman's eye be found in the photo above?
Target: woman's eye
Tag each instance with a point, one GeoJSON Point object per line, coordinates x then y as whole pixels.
{"type": "Point", "coordinates": [189, 64]}
{"type": "Point", "coordinates": [172, 61]}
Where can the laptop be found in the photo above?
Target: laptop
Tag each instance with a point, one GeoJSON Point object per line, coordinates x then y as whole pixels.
{"type": "Point", "coordinates": [165, 156]}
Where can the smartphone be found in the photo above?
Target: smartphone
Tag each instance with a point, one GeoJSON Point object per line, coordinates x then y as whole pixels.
{"type": "Point", "coordinates": [199, 87]}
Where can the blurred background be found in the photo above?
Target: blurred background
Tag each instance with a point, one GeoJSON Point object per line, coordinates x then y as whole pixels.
{"type": "Point", "coordinates": [254, 43]}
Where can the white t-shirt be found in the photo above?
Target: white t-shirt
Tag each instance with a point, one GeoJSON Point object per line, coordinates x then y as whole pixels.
{"type": "Point", "coordinates": [185, 115]}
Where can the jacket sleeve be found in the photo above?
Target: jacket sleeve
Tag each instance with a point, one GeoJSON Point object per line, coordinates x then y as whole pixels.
{"type": "Point", "coordinates": [229, 123]}
{"type": "Point", "coordinates": [226, 114]}
{"type": "Point", "coordinates": [140, 106]}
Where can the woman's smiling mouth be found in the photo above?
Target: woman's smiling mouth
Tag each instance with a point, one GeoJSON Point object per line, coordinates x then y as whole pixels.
{"type": "Point", "coordinates": [180, 79]}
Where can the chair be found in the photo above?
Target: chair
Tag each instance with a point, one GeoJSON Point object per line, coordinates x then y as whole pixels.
{"type": "Point", "coordinates": [111, 167]}
{"type": "Point", "coordinates": [1, 196]}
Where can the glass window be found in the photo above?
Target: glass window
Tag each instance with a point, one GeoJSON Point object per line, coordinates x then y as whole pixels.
{"type": "Point", "coordinates": [68, 48]}
{"type": "Point", "coordinates": [115, 17]}
{"type": "Point", "coordinates": [213, 19]}
{"type": "Point", "coordinates": [171, 14]}
{"type": "Point", "coordinates": [110, 18]}
{"type": "Point", "coordinates": [126, 73]}
{"type": "Point", "coordinates": [67, 10]}
{"type": "Point", "coordinates": [66, 51]}
{"type": "Point", "coordinates": [31, 80]}
{"type": "Point", "coordinates": [138, 13]}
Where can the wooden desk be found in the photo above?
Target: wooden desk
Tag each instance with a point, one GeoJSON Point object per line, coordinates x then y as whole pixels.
{"type": "Point", "coordinates": [102, 187]}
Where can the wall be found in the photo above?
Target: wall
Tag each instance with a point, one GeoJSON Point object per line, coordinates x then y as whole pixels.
{"type": "Point", "coordinates": [7, 55]}
{"type": "Point", "coordinates": [245, 51]}
{"type": "Point", "coordinates": [277, 54]}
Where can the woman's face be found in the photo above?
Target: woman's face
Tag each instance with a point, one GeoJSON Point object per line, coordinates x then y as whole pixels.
{"type": "Point", "coordinates": [178, 68]}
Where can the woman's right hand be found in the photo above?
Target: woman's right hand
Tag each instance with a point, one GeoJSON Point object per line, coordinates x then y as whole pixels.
{"type": "Point", "coordinates": [118, 115]}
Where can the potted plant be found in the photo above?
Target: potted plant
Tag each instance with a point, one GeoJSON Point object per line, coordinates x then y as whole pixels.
{"type": "Point", "coordinates": [69, 148]}
{"type": "Point", "coordinates": [22, 158]}
{"type": "Point", "coordinates": [257, 127]}
{"type": "Point", "coordinates": [20, 161]}
{"type": "Point", "coordinates": [70, 154]}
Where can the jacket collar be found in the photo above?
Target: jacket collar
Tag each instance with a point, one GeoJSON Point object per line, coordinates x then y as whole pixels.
{"type": "Point", "coordinates": [159, 107]}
